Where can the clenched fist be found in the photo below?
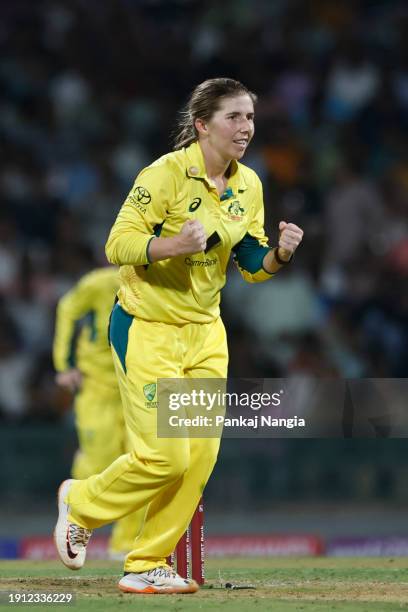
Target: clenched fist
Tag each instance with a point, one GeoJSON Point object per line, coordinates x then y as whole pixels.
{"type": "Point", "coordinates": [191, 239]}
{"type": "Point", "coordinates": [70, 379]}
{"type": "Point", "coordinates": [290, 236]}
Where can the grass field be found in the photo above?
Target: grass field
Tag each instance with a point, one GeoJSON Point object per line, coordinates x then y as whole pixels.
{"type": "Point", "coordinates": [282, 585]}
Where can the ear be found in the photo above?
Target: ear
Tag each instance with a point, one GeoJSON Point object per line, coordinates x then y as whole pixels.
{"type": "Point", "coordinates": [201, 126]}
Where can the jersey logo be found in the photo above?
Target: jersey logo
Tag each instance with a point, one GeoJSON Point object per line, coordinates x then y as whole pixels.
{"type": "Point", "coordinates": [149, 391]}
{"type": "Point", "coordinates": [142, 195]}
{"type": "Point", "coordinates": [194, 204]}
{"type": "Point", "coordinates": [140, 198]}
{"type": "Point", "coordinates": [235, 211]}
{"type": "Point", "coordinates": [200, 263]}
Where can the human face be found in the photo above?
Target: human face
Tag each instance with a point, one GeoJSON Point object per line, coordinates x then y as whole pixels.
{"type": "Point", "coordinates": [231, 128]}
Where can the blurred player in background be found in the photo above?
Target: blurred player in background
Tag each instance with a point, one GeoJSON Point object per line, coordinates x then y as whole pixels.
{"type": "Point", "coordinates": [173, 238]}
{"type": "Point", "coordinates": [83, 361]}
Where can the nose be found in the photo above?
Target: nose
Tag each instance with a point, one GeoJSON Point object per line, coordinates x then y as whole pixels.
{"type": "Point", "coordinates": [245, 126]}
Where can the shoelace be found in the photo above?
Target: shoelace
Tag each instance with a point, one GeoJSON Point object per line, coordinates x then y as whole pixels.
{"type": "Point", "coordinates": [79, 535]}
{"type": "Point", "coordinates": [162, 572]}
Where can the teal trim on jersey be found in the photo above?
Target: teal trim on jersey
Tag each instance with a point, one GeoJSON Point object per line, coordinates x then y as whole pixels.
{"type": "Point", "coordinates": [88, 320]}
{"type": "Point", "coordinates": [228, 193]}
{"type": "Point", "coordinates": [147, 253]}
{"type": "Point", "coordinates": [249, 254]}
{"type": "Point", "coordinates": [119, 332]}
{"type": "Point", "coordinates": [94, 332]}
{"type": "Point", "coordinates": [92, 324]}
{"type": "Point", "coordinates": [71, 360]}
{"type": "Point", "coordinates": [158, 229]}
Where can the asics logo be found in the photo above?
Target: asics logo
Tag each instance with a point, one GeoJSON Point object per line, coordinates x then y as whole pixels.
{"type": "Point", "coordinates": [194, 204]}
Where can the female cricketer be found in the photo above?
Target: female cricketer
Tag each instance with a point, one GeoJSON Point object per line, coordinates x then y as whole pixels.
{"type": "Point", "coordinates": [173, 238]}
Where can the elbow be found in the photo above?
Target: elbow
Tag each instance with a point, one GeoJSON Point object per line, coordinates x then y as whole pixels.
{"type": "Point", "coordinates": [246, 275]}
{"type": "Point", "coordinates": [111, 258]}
{"type": "Point", "coordinates": [248, 278]}
{"type": "Point", "coordinates": [110, 253]}
{"type": "Point", "coordinates": [256, 277]}
{"type": "Point", "coordinates": [62, 309]}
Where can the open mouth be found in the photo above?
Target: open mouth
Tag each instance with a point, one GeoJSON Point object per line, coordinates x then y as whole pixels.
{"type": "Point", "coordinates": [242, 142]}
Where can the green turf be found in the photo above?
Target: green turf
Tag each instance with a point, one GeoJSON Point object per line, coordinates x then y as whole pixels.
{"type": "Point", "coordinates": [282, 585]}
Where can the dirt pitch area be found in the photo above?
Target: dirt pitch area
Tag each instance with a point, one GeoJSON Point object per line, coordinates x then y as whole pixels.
{"type": "Point", "coordinates": [281, 585]}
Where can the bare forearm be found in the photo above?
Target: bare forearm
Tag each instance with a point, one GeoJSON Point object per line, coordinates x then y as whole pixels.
{"type": "Point", "coordinates": [270, 262]}
{"type": "Point", "coordinates": [190, 240]}
{"type": "Point", "coordinates": [162, 248]}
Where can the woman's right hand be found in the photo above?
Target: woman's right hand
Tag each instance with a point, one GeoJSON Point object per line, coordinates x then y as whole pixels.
{"type": "Point", "coordinates": [191, 239]}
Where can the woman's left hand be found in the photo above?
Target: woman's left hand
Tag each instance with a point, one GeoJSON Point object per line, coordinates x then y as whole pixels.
{"type": "Point", "coordinates": [290, 236]}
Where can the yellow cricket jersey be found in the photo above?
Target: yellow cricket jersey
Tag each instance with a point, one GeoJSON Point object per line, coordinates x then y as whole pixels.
{"type": "Point", "coordinates": [165, 195]}
{"type": "Point", "coordinates": [91, 300]}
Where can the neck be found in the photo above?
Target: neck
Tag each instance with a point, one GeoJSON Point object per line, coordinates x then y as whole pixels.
{"type": "Point", "coordinates": [215, 165]}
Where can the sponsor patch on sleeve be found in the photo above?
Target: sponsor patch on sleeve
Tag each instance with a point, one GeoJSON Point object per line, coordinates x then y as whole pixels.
{"type": "Point", "coordinates": [140, 197]}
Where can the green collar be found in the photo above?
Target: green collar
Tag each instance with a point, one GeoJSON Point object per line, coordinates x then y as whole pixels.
{"type": "Point", "coordinates": [195, 168]}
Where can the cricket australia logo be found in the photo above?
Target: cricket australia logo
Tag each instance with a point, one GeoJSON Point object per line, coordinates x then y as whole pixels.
{"type": "Point", "coordinates": [150, 393]}
{"type": "Point", "coordinates": [235, 211]}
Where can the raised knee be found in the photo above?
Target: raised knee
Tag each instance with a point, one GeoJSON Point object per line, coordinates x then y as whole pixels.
{"type": "Point", "coordinates": [168, 468]}
{"type": "Point", "coordinates": [174, 468]}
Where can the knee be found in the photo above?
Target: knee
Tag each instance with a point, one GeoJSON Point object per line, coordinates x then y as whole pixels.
{"type": "Point", "coordinates": [166, 467]}
{"type": "Point", "coordinates": [174, 467]}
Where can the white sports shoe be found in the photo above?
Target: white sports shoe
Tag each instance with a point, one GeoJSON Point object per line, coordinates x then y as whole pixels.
{"type": "Point", "coordinates": [70, 539]}
{"type": "Point", "coordinates": [157, 580]}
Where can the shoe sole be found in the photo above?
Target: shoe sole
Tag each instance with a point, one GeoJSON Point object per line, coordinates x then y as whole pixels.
{"type": "Point", "coordinates": [150, 590]}
{"type": "Point", "coordinates": [59, 502]}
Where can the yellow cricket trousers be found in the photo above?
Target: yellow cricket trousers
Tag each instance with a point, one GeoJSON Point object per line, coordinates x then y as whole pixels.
{"type": "Point", "coordinates": [166, 476]}
{"type": "Point", "coordinates": [102, 438]}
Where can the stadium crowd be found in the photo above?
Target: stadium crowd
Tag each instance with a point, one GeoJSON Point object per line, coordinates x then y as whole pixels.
{"type": "Point", "coordinates": [88, 93]}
